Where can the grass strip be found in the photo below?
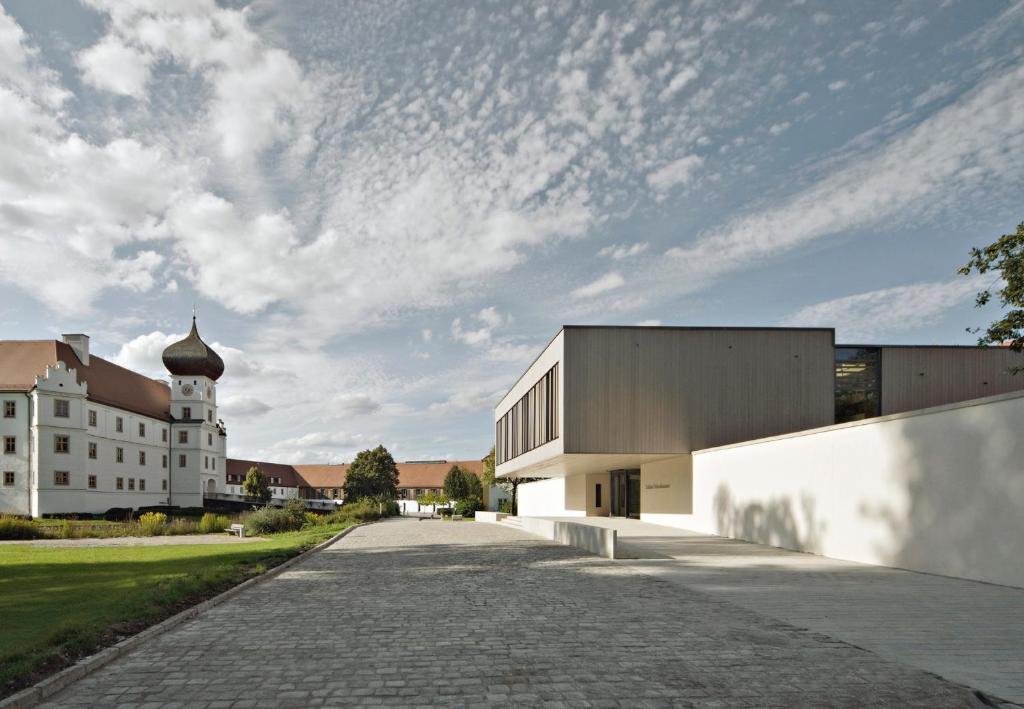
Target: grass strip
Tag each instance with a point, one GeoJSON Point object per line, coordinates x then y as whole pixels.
{"type": "Point", "coordinates": [58, 605]}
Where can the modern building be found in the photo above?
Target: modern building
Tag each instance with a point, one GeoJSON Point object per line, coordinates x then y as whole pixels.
{"type": "Point", "coordinates": [325, 482]}
{"type": "Point", "coordinates": [607, 418]}
{"type": "Point", "coordinates": [83, 435]}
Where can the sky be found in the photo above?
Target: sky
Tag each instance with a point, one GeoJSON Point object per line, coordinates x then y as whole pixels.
{"type": "Point", "coordinates": [382, 211]}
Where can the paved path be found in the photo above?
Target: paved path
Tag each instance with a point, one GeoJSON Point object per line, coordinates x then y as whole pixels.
{"type": "Point", "coordinates": [162, 540]}
{"type": "Point", "coordinates": [970, 632]}
{"type": "Point", "coordinates": [434, 613]}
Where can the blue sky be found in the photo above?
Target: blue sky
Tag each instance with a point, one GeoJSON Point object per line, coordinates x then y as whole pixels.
{"type": "Point", "coordinates": [382, 211]}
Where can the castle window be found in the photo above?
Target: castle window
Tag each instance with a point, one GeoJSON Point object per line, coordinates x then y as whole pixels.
{"type": "Point", "coordinates": [163, 461]}
{"type": "Point", "coordinates": [61, 444]}
{"type": "Point", "coordinates": [61, 409]}
{"type": "Point", "coordinates": [182, 436]}
{"type": "Point", "coordinates": [163, 484]}
{"type": "Point", "coordinates": [182, 462]}
{"type": "Point", "coordinates": [209, 439]}
{"type": "Point", "coordinates": [131, 483]}
{"type": "Point", "coordinates": [119, 483]}
{"type": "Point", "coordinates": [92, 482]}
{"type": "Point", "coordinates": [92, 418]}
{"type": "Point", "coordinates": [61, 477]}
{"type": "Point", "coordinates": [209, 416]}
{"type": "Point", "coordinates": [119, 455]}
{"type": "Point", "coordinates": [206, 462]}
{"type": "Point", "coordinates": [10, 446]}
{"type": "Point", "coordinates": [9, 478]}
{"type": "Point", "coordinates": [142, 457]}
{"type": "Point", "coordinates": [10, 409]}
{"type": "Point", "coordinates": [186, 412]}
{"type": "Point", "coordinates": [92, 451]}
{"type": "Point", "coordinates": [119, 424]}
{"type": "Point", "coordinates": [213, 463]}
{"type": "Point", "coordinates": [163, 435]}
{"type": "Point", "coordinates": [142, 484]}
{"type": "Point", "coordinates": [142, 430]}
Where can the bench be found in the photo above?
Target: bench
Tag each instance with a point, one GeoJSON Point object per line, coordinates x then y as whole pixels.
{"type": "Point", "coordinates": [238, 529]}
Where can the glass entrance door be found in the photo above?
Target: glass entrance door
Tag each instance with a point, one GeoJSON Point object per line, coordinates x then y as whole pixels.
{"type": "Point", "coordinates": [625, 493]}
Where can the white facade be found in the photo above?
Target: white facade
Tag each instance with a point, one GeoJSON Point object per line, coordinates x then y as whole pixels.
{"type": "Point", "coordinates": [69, 454]}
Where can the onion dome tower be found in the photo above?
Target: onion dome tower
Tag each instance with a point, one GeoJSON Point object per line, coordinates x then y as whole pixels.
{"type": "Point", "coordinates": [193, 357]}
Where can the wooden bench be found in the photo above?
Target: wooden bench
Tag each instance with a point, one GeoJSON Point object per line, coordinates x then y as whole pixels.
{"type": "Point", "coordinates": [238, 529]}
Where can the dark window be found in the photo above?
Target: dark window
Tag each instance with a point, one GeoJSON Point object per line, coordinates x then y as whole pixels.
{"type": "Point", "coordinates": [92, 482]}
{"type": "Point", "coordinates": [61, 409]}
{"type": "Point", "coordinates": [92, 450]}
{"type": "Point", "coordinates": [186, 412]}
{"type": "Point", "coordinates": [142, 430]}
{"type": "Point", "coordinates": [182, 436]}
{"type": "Point", "coordinates": [209, 439]}
{"type": "Point", "coordinates": [9, 478]}
{"type": "Point", "coordinates": [142, 457]}
{"type": "Point", "coordinates": [119, 484]}
{"type": "Point", "coordinates": [142, 484]}
{"type": "Point", "coordinates": [163, 435]}
{"type": "Point", "coordinates": [531, 422]}
{"type": "Point", "coordinates": [61, 444]}
{"type": "Point", "coordinates": [131, 483]}
{"type": "Point", "coordinates": [92, 418]}
{"type": "Point", "coordinates": [182, 461]}
{"type": "Point", "coordinates": [119, 424]}
{"type": "Point", "coordinates": [857, 383]}
{"type": "Point", "coordinates": [163, 485]}
{"type": "Point", "coordinates": [10, 408]}
{"type": "Point", "coordinates": [61, 477]}
{"type": "Point", "coordinates": [10, 445]}
{"type": "Point", "coordinates": [597, 495]}
{"type": "Point", "coordinates": [119, 455]}
{"type": "Point", "coordinates": [163, 461]}
{"type": "Point", "coordinates": [209, 416]}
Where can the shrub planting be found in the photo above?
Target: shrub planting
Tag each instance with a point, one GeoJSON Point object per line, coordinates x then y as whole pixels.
{"type": "Point", "coordinates": [214, 523]}
{"type": "Point", "coordinates": [17, 528]}
{"type": "Point", "coordinates": [152, 524]}
{"type": "Point", "coordinates": [268, 520]}
{"type": "Point", "coordinates": [469, 506]}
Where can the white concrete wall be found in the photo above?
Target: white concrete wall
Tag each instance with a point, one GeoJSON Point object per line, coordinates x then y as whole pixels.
{"type": "Point", "coordinates": [938, 490]}
{"type": "Point", "coordinates": [547, 498]}
{"type": "Point", "coordinates": [17, 498]}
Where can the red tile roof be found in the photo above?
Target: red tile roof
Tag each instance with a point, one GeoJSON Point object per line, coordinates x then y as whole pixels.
{"type": "Point", "coordinates": [410, 475]}
{"type": "Point", "coordinates": [21, 361]}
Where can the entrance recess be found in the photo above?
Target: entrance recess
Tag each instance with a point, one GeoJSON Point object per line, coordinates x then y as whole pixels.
{"type": "Point", "coordinates": [625, 493]}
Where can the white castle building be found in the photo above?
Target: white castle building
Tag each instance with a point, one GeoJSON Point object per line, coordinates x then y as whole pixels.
{"type": "Point", "coordinates": [79, 434]}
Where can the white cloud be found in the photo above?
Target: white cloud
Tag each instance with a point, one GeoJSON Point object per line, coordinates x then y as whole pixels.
{"type": "Point", "coordinates": [838, 85]}
{"type": "Point", "coordinates": [680, 80]}
{"type": "Point", "coordinates": [866, 316]}
{"type": "Point", "coordinates": [649, 323]}
{"type": "Point", "coordinates": [677, 172]}
{"type": "Point", "coordinates": [623, 251]}
{"type": "Point", "coordinates": [355, 405]}
{"type": "Point", "coordinates": [467, 401]}
{"type": "Point", "coordinates": [241, 407]}
{"type": "Point", "coordinates": [931, 164]}
{"type": "Point", "coordinates": [112, 66]}
{"type": "Point", "coordinates": [915, 25]}
{"type": "Point", "coordinates": [488, 319]}
{"type": "Point", "coordinates": [933, 93]}
{"type": "Point", "coordinates": [608, 282]}
{"type": "Point", "coordinates": [779, 128]}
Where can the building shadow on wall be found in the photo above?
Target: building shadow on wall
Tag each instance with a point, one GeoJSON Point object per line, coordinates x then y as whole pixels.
{"type": "Point", "coordinates": [775, 522]}
{"type": "Point", "coordinates": [964, 509]}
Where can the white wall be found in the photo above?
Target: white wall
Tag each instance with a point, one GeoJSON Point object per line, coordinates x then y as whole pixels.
{"type": "Point", "coordinates": [939, 490]}
{"type": "Point", "coordinates": [16, 499]}
{"type": "Point", "coordinates": [546, 498]}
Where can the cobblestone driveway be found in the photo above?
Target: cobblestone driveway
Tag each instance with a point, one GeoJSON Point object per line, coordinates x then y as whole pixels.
{"type": "Point", "coordinates": [466, 614]}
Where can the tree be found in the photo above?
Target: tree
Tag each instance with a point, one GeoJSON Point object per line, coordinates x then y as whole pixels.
{"type": "Point", "coordinates": [1005, 255]}
{"type": "Point", "coordinates": [455, 486]}
{"type": "Point", "coordinates": [432, 499]}
{"type": "Point", "coordinates": [509, 484]}
{"type": "Point", "coordinates": [256, 485]}
{"type": "Point", "coordinates": [474, 488]}
{"type": "Point", "coordinates": [372, 474]}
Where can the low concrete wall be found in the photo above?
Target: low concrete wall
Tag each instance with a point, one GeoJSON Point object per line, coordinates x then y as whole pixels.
{"type": "Point", "coordinates": [596, 540]}
{"type": "Point", "coordinates": [486, 516]}
{"type": "Point", "coordinates": [939, 490]}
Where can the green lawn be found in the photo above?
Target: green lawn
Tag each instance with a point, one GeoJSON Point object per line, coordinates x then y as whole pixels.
{"type": "Point", "coordinates": [57, 605]}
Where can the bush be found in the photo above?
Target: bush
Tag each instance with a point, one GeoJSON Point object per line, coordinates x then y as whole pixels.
{"type": "Point", "coordinates": [17, 528]}
{"type": "Point", "coordinates": [213, 523]}
{"type": "Point", "coordinates": [268, 520]}
{"type": "Point", "coordinates": [182, 526]}
{"type": "Point", "coordinates": [505, 506]}
{"type": "Point", "coordinates": [297, 509]}
{"type": "Point", "coordinates": [469, 506]}
{"type": "Point", "coordinates": [118, 514]}
{"type": "Point", "coordinates": [152, 524]}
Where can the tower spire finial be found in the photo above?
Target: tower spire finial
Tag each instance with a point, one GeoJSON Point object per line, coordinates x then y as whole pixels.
{"type": "Point", "coordinates": [193, 311]}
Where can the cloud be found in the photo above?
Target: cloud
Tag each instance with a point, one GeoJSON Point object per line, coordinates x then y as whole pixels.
{"type": "Point", "coordinates": [354, 405]}
{"type": "Point", "coordinates": [939, 161]}
{"type": "Point", "coordinates": [467, 401]}
{"type": "Point", "coordinates": [933, 93]}
{"type": "Point", "coordinates": [866, 316]}
{"type": "Point", "coordinates": [241, 407]}
{"type": "Point", "coordinates": [144, 354]}
{"type": "Point", "coordinates": [649, 323]}
{"type": "Point", "coordinates": [838, 85]}
{"type": "Point", "coordinates": [915, 25]}
{"type": "Point", "coordinates": [608, 282]}
{"type": "Point", "coordinates": [112, 66]}
{"type": "Point", "coordinates": [488, 319]}
{"type": "Point", "coordinates": [677, 172]}
{"type": "Point", "coordinates": [779, 128]}
{"type": "Point", "coordinates": [623, 251]}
